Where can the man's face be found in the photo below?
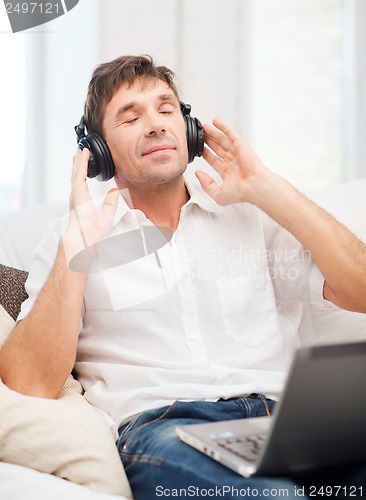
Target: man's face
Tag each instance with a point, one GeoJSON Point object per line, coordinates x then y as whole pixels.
{"type": "Point", "coordinates": [145, 131]}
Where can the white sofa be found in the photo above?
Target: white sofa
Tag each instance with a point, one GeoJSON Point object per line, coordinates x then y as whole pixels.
{"type": "Point", "coordinates": [22, 483]}
{"type": "Point", "coordinates": [20, 232]}
{"type": "Point", "coordinates": [91, 475]}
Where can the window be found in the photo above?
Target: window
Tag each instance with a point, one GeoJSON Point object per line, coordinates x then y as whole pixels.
{"type": "Point", "coordinates": [289, 75]}
{"type": "Point", "coordinates": [12, 123]}
{"type": "Point", "coordinates": [297, 72]}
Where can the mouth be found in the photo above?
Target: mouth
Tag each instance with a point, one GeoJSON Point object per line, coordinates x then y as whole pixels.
{"type": "Point", "coordinates": [160, 148]}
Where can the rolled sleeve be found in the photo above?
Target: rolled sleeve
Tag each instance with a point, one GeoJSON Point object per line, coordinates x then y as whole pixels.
{"type": "Point", "coordinates": [316, 289]}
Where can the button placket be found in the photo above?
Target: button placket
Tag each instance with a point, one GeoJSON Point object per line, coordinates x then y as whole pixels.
{"type": "Point", "coordinates": [186, 292]}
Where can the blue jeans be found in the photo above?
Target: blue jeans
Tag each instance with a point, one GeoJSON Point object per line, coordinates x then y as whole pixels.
{"type": "Point", "coordinates": [159, 465]}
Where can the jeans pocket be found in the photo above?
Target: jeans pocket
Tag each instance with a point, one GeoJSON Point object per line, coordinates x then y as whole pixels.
{"type": "Point", "coordinates": [129, 430]}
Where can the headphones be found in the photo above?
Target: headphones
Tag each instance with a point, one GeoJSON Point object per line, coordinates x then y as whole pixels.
{"type": "Point", "coordinates": [101, 163]}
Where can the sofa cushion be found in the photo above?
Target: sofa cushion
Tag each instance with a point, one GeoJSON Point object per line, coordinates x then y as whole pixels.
{"type": "Point", "coordinates": [66, 437]}
{"type": "Point", "coordinates": [22, 483]}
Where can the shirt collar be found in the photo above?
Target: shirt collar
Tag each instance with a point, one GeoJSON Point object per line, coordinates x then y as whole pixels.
{"type": "Point", "coordinates": [197, 196]}
{"type": "Point", "coordinates": [122, 207]}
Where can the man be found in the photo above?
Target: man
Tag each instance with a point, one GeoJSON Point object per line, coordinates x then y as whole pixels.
{"type": "Point", "coordinates": [199, 328]}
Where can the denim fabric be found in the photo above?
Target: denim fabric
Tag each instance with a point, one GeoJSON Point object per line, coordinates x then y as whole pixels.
{"type": "Point", "coordinates": [159, 465]}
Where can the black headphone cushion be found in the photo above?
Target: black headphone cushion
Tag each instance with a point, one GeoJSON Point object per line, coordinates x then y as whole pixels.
{"type": "Point", "coordinates": [195, 140]}
{"type": "Point", "coordinates": [100, 163]}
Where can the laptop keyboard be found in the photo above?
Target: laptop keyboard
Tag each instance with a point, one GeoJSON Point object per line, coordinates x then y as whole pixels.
{"type": "Point", "coordinates": [247, 447]}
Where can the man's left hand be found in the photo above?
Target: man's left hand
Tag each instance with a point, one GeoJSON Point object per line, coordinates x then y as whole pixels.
{"type": "Point", "coordinates": [237, 164]}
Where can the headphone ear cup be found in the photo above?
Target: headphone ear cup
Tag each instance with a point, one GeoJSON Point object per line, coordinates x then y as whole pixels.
{"type": "Point", "coordinates": [195, 141]}
{"type": "Point", "coordinates": [100, 163]}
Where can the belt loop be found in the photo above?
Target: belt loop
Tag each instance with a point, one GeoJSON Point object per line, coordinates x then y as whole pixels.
{"type": "Point", "coordinates": [265, 404]}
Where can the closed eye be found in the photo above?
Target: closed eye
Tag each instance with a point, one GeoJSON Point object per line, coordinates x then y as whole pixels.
{"type": "Point", "coordinates": [130, 121]}
{"type": "Point", "coordinates": [167, 108]}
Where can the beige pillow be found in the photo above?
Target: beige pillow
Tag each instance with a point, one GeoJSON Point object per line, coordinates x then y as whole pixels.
{"type": "Point", "coordinates": [66, 437]}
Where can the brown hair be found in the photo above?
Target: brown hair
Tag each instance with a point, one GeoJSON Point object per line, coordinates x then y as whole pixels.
{"type": "Point", "coordinates": [108, 77]}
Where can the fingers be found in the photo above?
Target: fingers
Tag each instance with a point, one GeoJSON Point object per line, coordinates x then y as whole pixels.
{"type": "Point", "coordinates": [87, 225]}
{"type": "Point", "coordinates": [80, 164]}
{"type": "Point", "coordinates": [216, 140]}
{"type": "Point", "coordinates": [228, 145]}
{"type": "Point", "coordinates": [80, 200]}
{"type": "Point", "coordinates": [229, 132]}
{"type": "Point", "coordinates": [110, 204]}
{"type": "Point", "coordinates": [111, 198]}
{"type": "Point", "coordinates": [79, 188]}
{"type": "Point", "coordinates": [219, 136]}
{"type": "Point", "coordinates": [212, 159]}
{"type": "Point", "coordinates": [208, 184]}
{"type": "Point", "coordinates": [224, 142]}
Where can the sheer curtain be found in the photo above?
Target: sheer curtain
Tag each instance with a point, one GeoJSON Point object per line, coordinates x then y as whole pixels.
{"type": "Point", "coordinates": [289, 75]}
{"type": "Point", "coordinates": [13, 118]}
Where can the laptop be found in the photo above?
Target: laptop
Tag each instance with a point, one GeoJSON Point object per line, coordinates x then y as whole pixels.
{"type": "Point", "coordinates": [318, 422]}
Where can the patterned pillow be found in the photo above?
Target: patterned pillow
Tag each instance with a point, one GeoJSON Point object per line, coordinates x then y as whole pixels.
{"type": "Point", "coordinates": [12, 291]}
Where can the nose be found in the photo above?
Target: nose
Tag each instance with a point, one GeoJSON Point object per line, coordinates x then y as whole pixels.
{"type": "Point", "coordinates": [155, 124]}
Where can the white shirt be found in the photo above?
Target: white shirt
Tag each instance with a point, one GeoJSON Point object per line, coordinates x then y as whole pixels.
{"type": "Point", "coordinates": [212, 314]}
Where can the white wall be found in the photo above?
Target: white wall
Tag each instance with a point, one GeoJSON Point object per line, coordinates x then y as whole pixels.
{"type": "Point", "coordinates": [271, 69]}
{"type": "Point", "coordinates": [297, 97]}
{"type": "Point", "coordinates": [355, 88]}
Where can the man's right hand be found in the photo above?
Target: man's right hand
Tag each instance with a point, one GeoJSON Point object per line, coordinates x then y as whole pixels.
{"type": "Point", "coordinates": [87, 225]}
{"type": "Point", "coordinates": [40, 352]}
